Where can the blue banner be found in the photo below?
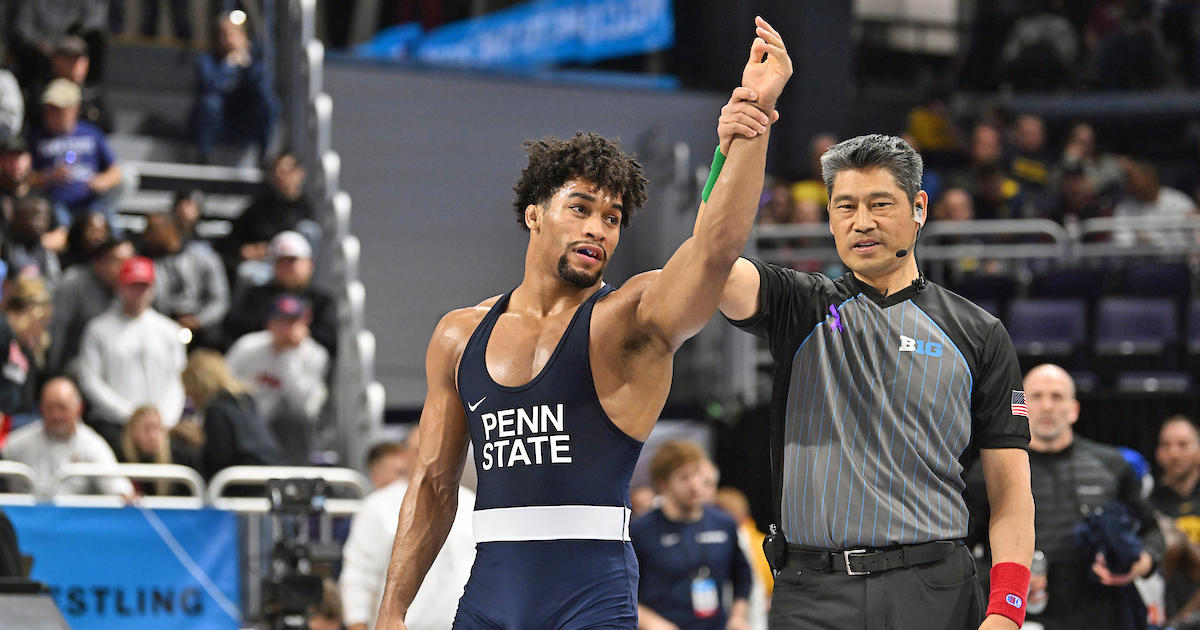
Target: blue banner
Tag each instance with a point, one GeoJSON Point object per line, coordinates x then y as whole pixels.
{"type": "Point", "coordinates": [135, 569]}
{"type": "Point", "coordinates": [551, 32]}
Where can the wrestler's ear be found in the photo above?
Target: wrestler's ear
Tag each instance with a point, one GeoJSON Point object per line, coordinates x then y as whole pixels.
{"type": "Point", "coordinates": [533, 217]}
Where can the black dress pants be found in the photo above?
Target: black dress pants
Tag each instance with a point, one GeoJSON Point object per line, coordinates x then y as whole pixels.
{"type": "Point", "coordinates": [942, 595]}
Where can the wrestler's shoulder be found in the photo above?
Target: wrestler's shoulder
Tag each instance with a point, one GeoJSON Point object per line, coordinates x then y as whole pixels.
{"type": "Point", "coordinates": [457, 326]}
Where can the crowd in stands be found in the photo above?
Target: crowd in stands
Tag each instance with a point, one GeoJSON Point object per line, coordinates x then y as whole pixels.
{"type": "Point", "coordinates": [1038, 45]}
{"type": "Point", "coordinates": [45, 41]}
{"type": "Point", "coordinates": [1005, 167]}
{"type": "Point", "coordinates": [161, 346]}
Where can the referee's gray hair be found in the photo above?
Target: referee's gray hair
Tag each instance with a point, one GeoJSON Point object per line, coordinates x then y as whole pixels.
{"type": "Point", "coordinates": [875, 151]}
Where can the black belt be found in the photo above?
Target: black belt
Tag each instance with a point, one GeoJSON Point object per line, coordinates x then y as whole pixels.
{"type": "Point", "coordinates": [866, 560]}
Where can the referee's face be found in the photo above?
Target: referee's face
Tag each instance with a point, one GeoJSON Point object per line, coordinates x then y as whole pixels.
{"type": "Point", "coordinates": [872, 219]}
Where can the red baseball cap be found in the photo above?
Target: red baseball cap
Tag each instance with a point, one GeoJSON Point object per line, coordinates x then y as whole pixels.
{"type": "Point", "coordinates": [136, 270]}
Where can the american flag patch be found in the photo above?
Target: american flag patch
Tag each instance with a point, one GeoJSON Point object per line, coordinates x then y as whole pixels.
{"type": "Point", "coordinates": [1018, 404]}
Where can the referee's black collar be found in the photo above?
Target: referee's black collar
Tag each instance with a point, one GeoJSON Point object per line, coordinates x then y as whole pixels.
{"type": "Point", "coordinates": [908, 292]}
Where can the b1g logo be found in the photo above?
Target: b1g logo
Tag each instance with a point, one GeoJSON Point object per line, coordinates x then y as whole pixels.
{"type": "Point", "coordinates": [931, 349]}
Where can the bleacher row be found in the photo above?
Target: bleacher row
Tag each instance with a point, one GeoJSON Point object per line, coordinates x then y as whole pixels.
{"type": "Point", "coordinates": [1119, 314]}
{"type": "Point", "coordinates": [1113, 328]}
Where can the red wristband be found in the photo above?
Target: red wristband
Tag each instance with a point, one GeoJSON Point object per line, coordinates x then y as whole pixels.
{"type": "Point", "coordinates": [1010, 586]}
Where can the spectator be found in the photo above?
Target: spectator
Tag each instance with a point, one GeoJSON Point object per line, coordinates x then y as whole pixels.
{"type": "Point", "coordinates": [234, 435]}
{"type": "Point", "coordinates": [987, 146]}
{"type": "Point", "coordinates": [780, 207]}
{"type": "Point", "coordinates": [234, 101]}
{"type": "Point", "coordinates": [1031, 161]}
{"type": "Point", "coordinates": [23, 334]}
{"type": "Point", "coordinates": [954, 205]}
{"type": "Point", "coordinates": [1148, 198]}
{"type": "Point", "coordinates": [813, 187]}
{"type": "Point", "coordinates": [1074, 477]}
{"type": "Point", "coordinates": [1177, 498]}
{"type": "Point", "coordinates": [187, 208]}
{"type": "Point", "coordinates": [389, 461]}
{"type": "Point", "coordinates": [25, 253]}
{"type": "Point", "coordinates": [15, 167]}
{"type": "Point", "coordinates": [84, 239]}
{"type": "Point", "coordinates": [931, 127]}
{"type": "Point", "coordinates": [1177, 493]}
{"type": "Point", "coordinates": [72, 161]}
{"type": "Point", "coordinates": [285, 371]}
{"type": "Point", "coordinates": [280, 207]}
{"type": "Point", "coordinates": [1082, 153]}
{"type": "Point", "coordinates": [364, 568]}
{"type": "Point", "coordinates": [12, 106]}
{"type": "Point", "coordinates": [84, 293]}
{"type": "Point", "coordinates": [69, 60]}
{"type": "Point", "coordinates": [131, 355]}
{"type": "Point", "coordinates": [326, 615]}
{"type": "Point", "coordinates": [145, 441]}
{"type": "Point", "coordinates": [60, 438]}
{"type": "Point", "coordinates": [1077, 197]}
{"type": "Point", "coordinates": [1041, 52]}
{"type": "Point", "coordinates": [750, 539]}
{"type": "Point", "coordinates": [931, 179]}
{"type": "Point", "coordinates": [293, 269]}
{"type": "Point", "coordinates": [686, 550]}
{"type": "Point", "coordinates": [995, 195]}
{"type": "Point", "coordinates": [191, 287]}
{"type": "Point", "coordinates": [39, 25]}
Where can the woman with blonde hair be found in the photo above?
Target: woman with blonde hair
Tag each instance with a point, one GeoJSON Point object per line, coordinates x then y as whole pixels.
{"type": "Point", "coordinates": [234, 435]}
{"type": "Point", "coordinates": [145, 441]}
{"type": "Point", "coordinates": [23, 343]}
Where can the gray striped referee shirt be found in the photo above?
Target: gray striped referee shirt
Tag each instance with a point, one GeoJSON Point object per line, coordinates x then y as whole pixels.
{"type": "Point", "coordinates": [878, 404]}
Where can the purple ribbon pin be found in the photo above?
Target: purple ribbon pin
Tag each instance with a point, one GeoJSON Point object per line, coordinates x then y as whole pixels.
{"type": "Point", "coordinates": [836, 324]}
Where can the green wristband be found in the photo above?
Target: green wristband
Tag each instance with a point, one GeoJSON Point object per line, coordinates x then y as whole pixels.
{"type": "Point", "coordinates": [713, 172]}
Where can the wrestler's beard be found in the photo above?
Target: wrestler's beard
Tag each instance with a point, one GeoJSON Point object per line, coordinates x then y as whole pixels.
{"type": "Point", "coordinates": [575, 277]}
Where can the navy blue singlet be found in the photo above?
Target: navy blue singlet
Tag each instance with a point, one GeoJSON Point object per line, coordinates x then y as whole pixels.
{"type": "Point", "coordinates": [552, 512]}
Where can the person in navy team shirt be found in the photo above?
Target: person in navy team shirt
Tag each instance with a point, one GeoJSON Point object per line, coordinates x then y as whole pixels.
{"type": "Point", "coordinates": [687, 550]}
{"type": "Point", "coordinates": [72, 161]}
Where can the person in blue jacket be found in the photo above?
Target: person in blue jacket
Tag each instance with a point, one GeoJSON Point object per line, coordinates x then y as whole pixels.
{"type": "Point", "coordinates": [688, 550]}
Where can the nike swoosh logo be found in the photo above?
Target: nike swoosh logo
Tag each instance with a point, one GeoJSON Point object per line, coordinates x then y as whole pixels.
{"type": "Point", "coordinates": [472, 407]}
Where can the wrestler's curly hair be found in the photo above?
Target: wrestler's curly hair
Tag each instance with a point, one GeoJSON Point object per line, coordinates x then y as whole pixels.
{"type": "Point", "coordinates": [588, 156]}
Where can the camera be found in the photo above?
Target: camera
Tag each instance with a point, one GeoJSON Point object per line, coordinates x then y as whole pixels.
{"type": "Point", "coordinates": [291, 591]}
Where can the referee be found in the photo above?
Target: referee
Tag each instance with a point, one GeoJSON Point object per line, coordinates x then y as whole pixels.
{"type": "Point", "coordinates": [886, 385]}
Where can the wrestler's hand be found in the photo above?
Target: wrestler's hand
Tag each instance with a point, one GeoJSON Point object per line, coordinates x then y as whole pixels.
{"type": "Point", "coordinates": [389, 618]}
{"type": "Point", "coordinates": [740, 118]}
{"type": "Point", "coordinates": [389, 623]}
{"type": "Point", "coordinates": [769, 66]}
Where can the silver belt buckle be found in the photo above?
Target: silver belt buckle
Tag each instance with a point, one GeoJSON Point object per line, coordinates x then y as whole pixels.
{"type": "Point", "coordinates": [846, 553]}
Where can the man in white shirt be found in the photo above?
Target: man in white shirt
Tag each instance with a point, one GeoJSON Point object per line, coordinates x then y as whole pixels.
{"type": "Point", "coordinates": [285, 370]}
{"type": "Point", "coordinates": [60, 438]}
{"type": "Point", "coordinates": [365, 561]}
{"type": "Point", "coordinates": [1148, 198]}
{"type": "Point", "coordinates": [131, 355]}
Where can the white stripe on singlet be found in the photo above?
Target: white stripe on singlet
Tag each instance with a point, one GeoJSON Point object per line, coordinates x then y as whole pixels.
{"type": "Point", "coordinates": [552, 522]}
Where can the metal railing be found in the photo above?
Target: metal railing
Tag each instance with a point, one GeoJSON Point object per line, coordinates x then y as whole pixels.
{"type": "Point", "coordinates": [258, 476]}
{"type": "Point", "coordinates": [16, 471]}
{"type": "Point", "coordinates": [174, 473]}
